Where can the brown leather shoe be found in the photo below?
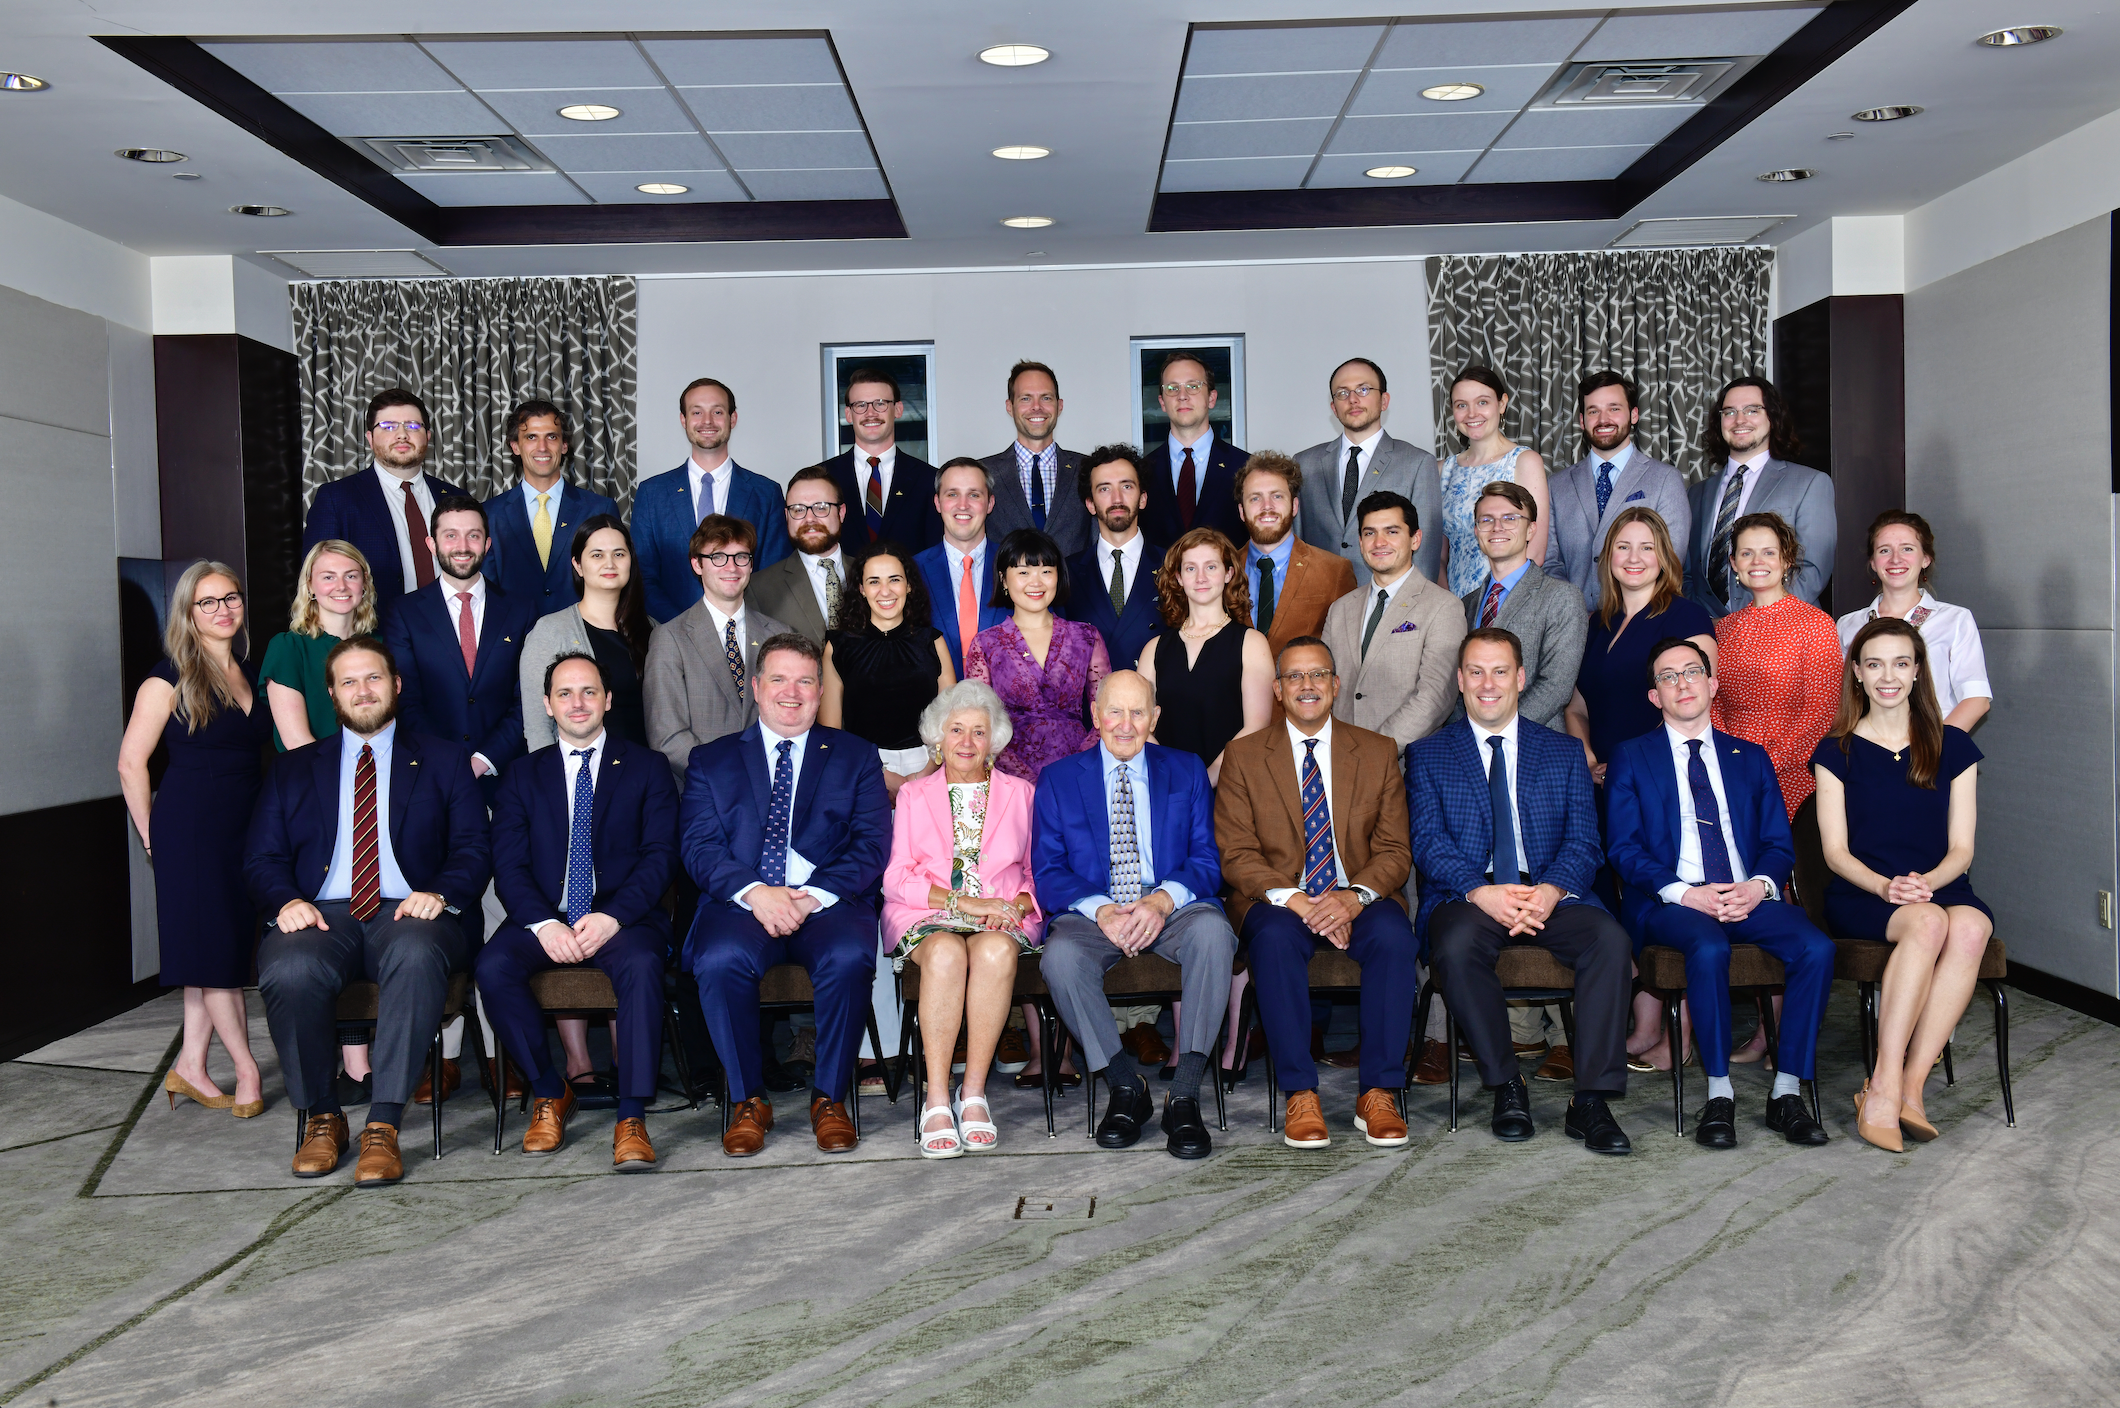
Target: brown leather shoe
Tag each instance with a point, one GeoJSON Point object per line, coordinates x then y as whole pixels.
{"type": "Point", "coordinates": [1348, 1060]}
{"type": "Point", "coordinates": [452, 1077]}
{"type": "Point", "coordinates": [1434, 1066]}
{"type": "Point", "coordinates": [749, 1124]}
{"type": "Point", "coordinates": [323, 1145]}
{"type": "Point", "coordinates": [835, 1132]}
{"type": "Point", "coordinates": [630, 1150]}
{"type": "Point", "coordinates": [380, 1162]}
{"type": "Point", "coordinates": [1528, 1048]}
{"type": "Point", "coordinates": [548, 1123]}
{"type": "Point", "coordinates": [1303, 1122]}
{"type": "Point", "coordinates": [1145, 1044]}
{"type": "Point", "coordinates": [1558, 1065]}
{"type": "Point", "coordinates": [1376, 1114]}
{"type": "Point", "coordinates": [518, 1087]}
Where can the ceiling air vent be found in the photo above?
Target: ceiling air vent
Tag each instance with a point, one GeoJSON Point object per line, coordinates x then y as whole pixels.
{"type": "Point", "coordinates": [1659, 81]}
{"type": "Point", "coordinates": [446, 154]}
{"type": "Point", "coordinates": [1697, 230]}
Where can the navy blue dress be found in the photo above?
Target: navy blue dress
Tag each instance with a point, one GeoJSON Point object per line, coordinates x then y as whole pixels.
{"type": "Point", "coordinates": [1894, 827]}
{"type": "Point", "coordinates": [200, 815]}
{"type": "Point", "coordinates": [1614, 678]}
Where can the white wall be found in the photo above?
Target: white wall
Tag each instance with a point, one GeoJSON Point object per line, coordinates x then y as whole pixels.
{"type": "Point", "coordinates": [218, 293]}
{"type": "Point", "coordinates": [45, 257]}
{"type": "Point", "coordinates": [2070, 180]}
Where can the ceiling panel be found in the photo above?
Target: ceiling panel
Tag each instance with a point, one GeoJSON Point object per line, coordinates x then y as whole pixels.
{"type": "Point", "coordinates": [1241, 139]}
{"type": "Point", "coordinates": [1414, 44]}
{"type": "Point", "coordinates": [1390, 92]}
{"type": "Point", "coordinates": [705, 62]}
{"type": "Point", "coordinates": [496, 188]}
{"type": "Point", "coordinates": [545, 63]}
{"type": "Point", "coordinates": [794, 150]}
{"type": "Point", "coordinates": [1225, 99]}
{"type": "Point", "coordinates": [862, 183]}
{"type": "Point", "coordinates": [536, 113]}
{"type": "Point", "coordinates": [1556, 164]}
{"type": "Point", "coordinates": [1715, 34]}
{"type": "Point", "coordinates": [685, 152]}
{"type": "Point", "coordinates": [1451, 132]}
{"type": "Point", "coordinates": [616, 188]}
{"type": "Point", "coordinates": [457, 114]}
{"type": "Point", "coordinates": [1597, 127]}
{"type": "Point", "coordinates": [788, 108]}
{"type": "Point", "coordinates": [1430, 169]}
{"type": "Point", "coordinates": [336, 66]}
{"type": "Point", "coordinates": [1257, 174]}
{"type": "Point", "coordinates": [1277, 49]}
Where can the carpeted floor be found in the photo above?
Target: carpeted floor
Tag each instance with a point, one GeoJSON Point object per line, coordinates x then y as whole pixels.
{"type": "Point", "coordinates": [167, 1257]}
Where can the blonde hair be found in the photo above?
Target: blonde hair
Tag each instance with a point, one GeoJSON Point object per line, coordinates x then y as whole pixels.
{"type": "Point", "coordinates": [306, 618]}
{"type": "Point", "coordinates": [202, 687]}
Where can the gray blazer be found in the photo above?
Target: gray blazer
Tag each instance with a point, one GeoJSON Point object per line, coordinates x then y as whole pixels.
{"type": "Point", "coordinates": [784, 591]}
{"type": "Point", "coordinates": [1576, 536]}
{"type": "Point", "coordinates": [1396, 465]}
{"type": "Point", "coordinates": [691, 698]}
{"type": "Point", "coordinates": [1407, 683]}
{"type": "Point", "coordinates": [1066, 520]}
{"type": "Point", "coordinates": [555, 635]}
{"type": "Point", "coordinates": [1804, 499]}
{"type": "Point", "coordinates": [1548, 617]}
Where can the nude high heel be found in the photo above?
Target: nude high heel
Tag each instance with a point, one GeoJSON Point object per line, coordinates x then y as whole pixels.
{"type": "Point", "coordinates": [1884, 1136]}
{"type": "Point", "coordinates": [1915, 1127]}
{"type": "Point", "coordinates": [174, 1085]}
{"type": "Point", "coordinates": [247, 1110]}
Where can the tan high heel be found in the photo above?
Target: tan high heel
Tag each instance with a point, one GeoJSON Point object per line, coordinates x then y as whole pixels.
{"type": "Point", "coordinates": [174, 1085]}
{"type": "Point", "coordinates": [248, 1110]}
{"type": "Point", "coordinates": [1884, 1136]}
{"type": "Point", "coordinates": [1916, 1127]}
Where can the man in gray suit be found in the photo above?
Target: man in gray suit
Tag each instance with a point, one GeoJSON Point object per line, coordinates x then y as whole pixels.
{"type": "Point", "coordinates": [803, 589]}
{"type": "Point", "coordinates": [1749, 431]}
{"type": "Point", "coordinates": [1541, 610]}
{"type": "Point", "coordinates": [1613, 477]}
{"type": "Point", "coordinates": [697, 683]}
{"type": "Point", "coordinates": [1034, 479]}
{"type": "Point", "coordinates": [1363, 460]}
{"type": "Point", "coordinates": [1396, 639]}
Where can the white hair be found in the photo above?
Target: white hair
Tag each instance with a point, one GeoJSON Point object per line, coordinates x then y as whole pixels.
{"type": "Point", "coordinates": [963, 695]}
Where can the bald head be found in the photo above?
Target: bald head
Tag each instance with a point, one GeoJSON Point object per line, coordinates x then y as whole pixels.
{"type": "Point", "coordinates": [1126, 713]}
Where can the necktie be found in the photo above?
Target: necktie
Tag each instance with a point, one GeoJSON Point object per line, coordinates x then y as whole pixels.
{"type": "Point", "coordinates": [581, 873]}
{"type": "Point", "coordinates": [466, 633]}
{"type": "Point", "coordinates": [367, 853]}
{"type": "Point", "coordinates": [541, 531]}
{"type": "Point", "coordinates": [1188, 491]}
{"type": "Point", "coordinates": [1719, 553]}
{"type": "Point", "coordinates": [831, 593]}
{"type": "Point", "coordinates": [1037, 493]}
{"type": "Point", "coordinates": [967, 608]}
{"type": "Point", "coordinates": [1126, 847]}
{"type": "Point", "coordinates": [734, 655]}
{"type": "Point", "coordinates": [416, 533]}
{"type": "Point", "coordinates": [1491, 605]}
{"type": "Point", "coordinates": [773, 858]}
{"type": "Point", "coordinates": [872, 497]}
{"type": "Point", "coordinates": [1318, 869]}
{"type": "Point", "coordinates": [1498, 800]}
{"type": "Point", "coordinates": [1714, 854]}
{"type": "Point", "coordinates": [1354, 477]}
{"type": "Point", "coordinates": [1262, 614]}
{"type": "Point", "coordinates": [1118, 581]}
{"type": "Point", "coordinates": [1376, 614]}
{"type": "Point", "coordinates": [1604, 488]}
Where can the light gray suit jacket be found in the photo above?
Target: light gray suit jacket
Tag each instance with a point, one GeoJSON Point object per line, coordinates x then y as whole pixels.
{"type": "Point", "coordinates": [1576, 536]}
{"type": "Point", "coordinates": [784, 591]}
{"type": "Point", "coordinates": [558, 634]}
{"type": "Point", "coordinates": [1804, 499]}
{"type": "Point", "coordinates": [1396, 465]}
{"type": "Point", "coordinates": [690, 695]}
{"type": "Point", "coordinates": [1546, 615]}
{"type": "Point", "coordinates": [1407, 683]}
{"type": "Point", "coordinates": [1066, 520]}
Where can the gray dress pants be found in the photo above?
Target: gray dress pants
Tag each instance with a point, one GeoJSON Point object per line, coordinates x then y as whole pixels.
{"type": "Point", "coordinates": [1077, 956]}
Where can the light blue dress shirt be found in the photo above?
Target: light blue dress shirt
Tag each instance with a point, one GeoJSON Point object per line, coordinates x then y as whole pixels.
{"type": "Point", "coordinates": [338, 880]}
{"type": "Point", "coordinates": [1282, 554]}
{"type": "Point", "coordinates": [1137, 777]}
{"type": "Point", "coordinates": [1201, 448]}
{"type": "Point", "coordinates": [1508, 585]}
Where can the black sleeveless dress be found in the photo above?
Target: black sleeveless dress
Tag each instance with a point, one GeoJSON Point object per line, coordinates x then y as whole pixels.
{"type": "Point", "coordinates": [201, 812]}
{"type": "Point", "coordinates": [888, 678]}
{"type": "Point", "coordinates": [1202, 701]}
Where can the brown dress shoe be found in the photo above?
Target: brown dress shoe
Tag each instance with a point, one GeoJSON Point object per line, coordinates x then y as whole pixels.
{"type": "Point", "coordinates": [1303, 1122]}
{"type": "Point", "coordinates": [630, 1150]}
{"type": "Point", "coordinates": [748, 1125]}
{"type": "Point", "coordinates": [323, 1145]}
{"type": "Point", "coordinates": [548, 1123]}
{"type": "Point", "coordinates": [835, 1132]}
{"type": "Point", "coordinates": [518, 1086]}
{"type": "Point", "coordinates": [1434, 1066]}
{"type": "Point", "coordinates": [452, 1077]}
{"type": "Point", "coordinates": [380, 1162]}
{"type": "Point", "coordinates": [1558, 1065]}
{"type": "Point", "coordinates": [1376, 1115]}
{"type": "Point", "coordinates": [1145, 1044]}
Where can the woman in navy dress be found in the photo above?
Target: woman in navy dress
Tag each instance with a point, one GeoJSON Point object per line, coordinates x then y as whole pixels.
{"type": "Point", "coordinates": [1897, 813]}
{"type": "Point", "coordinates": [203, 703]}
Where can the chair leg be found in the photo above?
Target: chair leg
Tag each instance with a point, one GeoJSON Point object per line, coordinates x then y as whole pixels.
{"type": "Point", "coordinates": [1214, 1058]}
{"type": "Point", "coordinates": [673, 1036]}
{"type": "Point", "coordinates": [2002, 1051]}
{"type": "Point", "coordinates": [1867, 994]}
{"type": "Point", "coordinates": [890, 1082]}
{"type": "Point", "coordinates": [1950, 1077]}
{"type": "Point", "coordinates": [1567, 1011]}
{"type": "Point", "coordinates": [1451, 1055]}
{"type": "Point", "coordinates": [1050, 1045]}
{"type": "Point", "coordinates": [1767, 1023]}
{"type": "Point", "coordinates": [911, 1047]}
{"type": "Point", "coordinates": [301, 1123]}
{"type": "Point", "coordinates": [434, 1068]}
{"type": "Point", "coordinates": [1674, 1036]}
{"type": "Point", "coordinates": [1273, 1092]}
{"type": "Point", "coordinates": [500, 1102]}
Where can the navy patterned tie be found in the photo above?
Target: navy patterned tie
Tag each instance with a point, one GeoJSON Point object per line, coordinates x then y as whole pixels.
{"type": "Point", "coordinates": [581, 873]}
{"type": "Point", "coordinates": [1498, 799]}
{"type": "Point", "coordinates": [1318, 869]}
{"type": "Point", "coordinates": [1604, 488]}
{"type": "Point", "coordinates": [773, 857]}
{"type": "Point", "coordinates": [1714, 854]}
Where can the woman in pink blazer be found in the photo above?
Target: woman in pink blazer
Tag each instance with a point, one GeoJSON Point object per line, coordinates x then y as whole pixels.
{"type": "Point", "coordinates": [958, 895]}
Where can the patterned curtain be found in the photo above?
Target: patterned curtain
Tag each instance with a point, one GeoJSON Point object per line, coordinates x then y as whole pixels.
{"type": "Point", "coordinates": [471, 348]}
{"type": "Point", "coordinates": [1678, 322]}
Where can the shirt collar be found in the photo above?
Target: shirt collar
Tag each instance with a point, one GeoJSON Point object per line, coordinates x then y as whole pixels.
{"type": "Point", "coordinates": [1679, 740]}
{"type": "Point", "coordinates": [1481, 733]}
{"type": "Point", "coordinates": [721, 622]}
{"type": "Point", "coordinates": [885, 460]}
{"type": "Point", "coordinates": [1618, 459]}
{"type": "Point", "coordinates": [1024, 454]}
{"type": "Point", "coordinates": [1201, 448]}
{"type": "Point", "coordinates": [596, 745]}
{"type": "Point", "coordinates": [530, 493]}
{"type": "Point", "coordinates": [392, 481]}
{"type": "Point", "coordinates": [379, 745]}
{"type": "Point", "coordinates": [773, 741]}
{"type": "Point", "coordinates": [956, 556]}
{"type": "Point", "coordinates": [719, 475]}
{"type": "Point", "coordinates": [1280, 552]}
{"type": "Point", "coordinates": [816, 561]}
{"type": "Point", "coordinates": [1297, 737]}
{"type": "Point", "coordinates": [451, 586]}
{"type": "Point", "coordinates": [1136, 766]}
{"type": "Point", "coordinates": [1755, 462]}
{"type": "Point", "coordinates": [1348, 442]}
{"type": "Point", "coordinates": [1509, 582]}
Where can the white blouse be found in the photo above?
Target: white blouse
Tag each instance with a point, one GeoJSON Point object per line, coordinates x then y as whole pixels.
{"type": "Point", "coordinates": [1957, 665]}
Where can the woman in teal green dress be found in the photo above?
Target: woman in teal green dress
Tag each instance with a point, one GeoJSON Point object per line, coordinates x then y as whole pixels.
{"type": "Point", "coordinates": [334, 599]}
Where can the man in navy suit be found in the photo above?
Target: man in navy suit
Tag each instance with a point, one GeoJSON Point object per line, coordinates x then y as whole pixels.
{"type": "Point", "coordinates": [668, 506]}
{"type": "Point", "coordinates": [533, 524]}
{"type": "Point", "coordinates": [1749, 431]}
{"type": "Point", "coordinates": [890, 495]}
{"type": "Point", "coordinates": [1123, 851]}
{"type": "Point", "coordinates": [384, 510]}
{"type": "Point", "coordinates": [370, 850]}
{"type": "Point", "coordinates": [584, 844]}
{"type": "Point", "coordinates": [1505, 839]}
{"type": "Point", "coordinates": [959, 570]}
{"type": "Point", "coordinates": [786, 829]}
{"type": "Point", "coordinates": [1120, 559]}
{"type": "Point", "coordinates": [1191, 478]}
{"type": "Point", "coordinates": [1691, 809]}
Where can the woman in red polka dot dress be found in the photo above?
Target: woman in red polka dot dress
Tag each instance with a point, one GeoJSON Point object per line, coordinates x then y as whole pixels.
{"type": "Point", "coordinates": [1777, 660]}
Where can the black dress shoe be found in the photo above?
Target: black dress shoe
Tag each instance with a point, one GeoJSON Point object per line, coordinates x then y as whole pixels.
{"type": "Point", "coordinates": [1590, 1120]}
{"type": "Point", "coordinates": [1512, 1112]}
{"type": "Point", "coordinates": [1188, 1137]}
{"type": "Point", "coordinates": [1125, 1117]}
{"type": "Point", "coordinates": [1717, 1126]}
{"type": "Point", "coordinates": [1788, 1116]}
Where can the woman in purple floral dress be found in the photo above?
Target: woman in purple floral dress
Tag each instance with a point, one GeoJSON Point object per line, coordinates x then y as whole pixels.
{"type": "Point", "coordinates": [1045, 669]}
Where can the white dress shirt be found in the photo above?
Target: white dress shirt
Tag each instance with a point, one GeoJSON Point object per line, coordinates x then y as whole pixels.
{"type": "Point", "coordinates": [570, 769]}
{"type": "Point", "coordinates": [423, 495]}
{"type": "Point", "coordinates": [338, 877]}
{"type": "Point", "coordinates": [814, 567]}
{"type": "Point", "coordinates": [721, 628]}
{"type": "Point", "coordinates": [1507, 733]}
{"type": "Point", "coordinates": [1368, 449]}
{"type": "Point", "coordinates": [477, 588]}
{"type": "Point", "coordinates": [886, 462]}
{"type": "Point", "coordinates": [799, 869]}
{"type": "Point", "coordinates": [1129, 562]}
{"type": "Point", "coordinates": [1690, 870]}
{"type": "Point", "coordinates": [1751, 465]}
{"type": "Point", "coordinates": [1137, 777]}
{"type": "Point", "coordinates": [1957, 664]}
{"type": "Point", "coordinates": [698, 478]}
{"type": "Point", "coordinates": [1296, 740]}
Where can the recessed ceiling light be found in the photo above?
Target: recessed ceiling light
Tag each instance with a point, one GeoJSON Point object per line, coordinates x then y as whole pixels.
{"type": "Point", "coordinates": [1028, 222]}
{"type": "Point", "coordinates": [661, 188]}
{"type": "Point", "coordinates": [1022, 153]}
{"type": "Point", "coordinates": [2022, 34]}
{"type": "Point", "coordinates": [1787, 173]}
{"type": "Point", "coordinates": [21, 83]}
{"type": "Point", "coordinates": [185, 176]}
{"type": "Point", "coordinates": [259, 210]}
{"type": "Point", "coordinates": [1453, 92]}
{"type": "Point", "coordinates": [588, 112]}
{"type": "Point", "coordinates": [1840, 136]}
{"type": "Point", "coordinates": [151, 154]}
{"type": "Point", "coordinates": [1891, 113]}
{"type": "Point", "coordinates": [1390, 173]}
{"type": "Point", "coordinates": [1014, 55]}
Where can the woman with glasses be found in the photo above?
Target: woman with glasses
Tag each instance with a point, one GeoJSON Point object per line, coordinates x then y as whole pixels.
{"type": "Point", "coordinates": [608, 621]}
{"type": "Point", "coordinates": [1213, 673]}
{"type": "Point", "coordinates": [1902, 550]}
{"type": "Point", "coordinates": [202, 704]}
{"type": "Point", "coordinates": [1479, 398]}
{"type": "Point", "coordinates": [334, 599]}
{"type": "Point", "coordinates": [1045, 668]}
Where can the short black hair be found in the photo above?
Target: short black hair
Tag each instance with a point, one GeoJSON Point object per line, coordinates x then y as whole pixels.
{"type": "Point", "coordinates": [1383, 499]}
{"type": "Point", "coordinates": [1382, 384]}
{"type": "Point", "coordinates": [794, 641]}
{"type": "Point", "coordinates": [1677, 643]}
{"type": "Point", "coordinates": [398, 396]}
{"type": "Point", "coordinates": [1300, 641]}
{"type": "Point", "coordinates": [1027, 547]}
{"type": "Point", "coordinates": [875, 375]}
{"type": "Point", "coordinates": [1598, 381]}
{"type": "Point", "coordinates": [455, 503]}
{"type": "Point", "coordinates": [1104, 455]}
{"type": "Point", "coordinates": [527, 411]}
{"type": "Point", "coordinates": [563, 658]}
{"type": "Point", "coordinates": [821, 473]}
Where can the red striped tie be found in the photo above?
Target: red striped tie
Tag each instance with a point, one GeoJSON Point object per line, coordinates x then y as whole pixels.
{"type": "Point", "coordinates": [367, 855]}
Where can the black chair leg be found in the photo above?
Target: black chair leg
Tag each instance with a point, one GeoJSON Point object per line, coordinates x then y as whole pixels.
{"type": "Point", "coordinates": [1273, 1092]}
{"type": "Point", "coordinates": [1049, 1048]}
{"type": "Point", "coordinates": [1674, 1038]}
{"type": "Point", "coordinates": [1773, 1031]}
{"type": "Point", "coordinates": [909, 1042]}
{"type": "Point", "coordinates": [1451, 1055]}
{"type": "Point", "coordinates": [500, 1102]}
{"type": "Point", "coordinates": [673, 1037]}
{"type": "Point", "coordinates": [1868, 994]}
{"type": "Point", "coordinates": [301, 1123]}
{"type": "Point", "coordinates": [1950, 1077]}
{"type": "Point", "coordinates": [890, 1082]}
{"type": "Point", "coordinates": [434, 1069]}
{"type": "Point", "coordinates": [2002, 1051]}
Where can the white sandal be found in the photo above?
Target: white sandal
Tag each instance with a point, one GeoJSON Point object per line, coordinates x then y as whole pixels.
{"type": "Point", "coordinates": [972, 1128]}
{"type": "Point", "coordinates": [939, 1143]}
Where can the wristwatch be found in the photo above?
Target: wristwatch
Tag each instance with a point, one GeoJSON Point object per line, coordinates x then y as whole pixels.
{"type": "Point", "coordinates": [1362, 897]}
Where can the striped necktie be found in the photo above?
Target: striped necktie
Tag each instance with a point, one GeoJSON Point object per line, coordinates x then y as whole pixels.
{"type": "Point", "coordinates": [367, 846]}
{"type": "Point", "coordinates": [1725, 518]}
{"type": "Point", "coordinates": [1318, 869]}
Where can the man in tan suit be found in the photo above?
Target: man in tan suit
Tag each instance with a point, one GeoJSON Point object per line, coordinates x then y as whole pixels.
{"type": "Point", "coordinates": [1292, 583]}
{"type": "Point", "coordinates": [1397, 639]}
{"type": "Point", "coordinates": [697, 683]}
{"type": "Point", "coordinates": [1311, 820]}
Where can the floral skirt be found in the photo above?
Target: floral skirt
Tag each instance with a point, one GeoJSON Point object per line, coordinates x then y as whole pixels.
{"type": "Point", "coordinates": [939, 923]}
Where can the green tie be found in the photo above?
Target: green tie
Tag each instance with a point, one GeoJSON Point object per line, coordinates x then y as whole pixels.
{"type": "Point", "coordinates": [1376, 614]}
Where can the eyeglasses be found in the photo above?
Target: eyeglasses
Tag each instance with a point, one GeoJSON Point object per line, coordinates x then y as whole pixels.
{"type": "Point", "coordinates": [862, 406]}
{"type": "Point", "coordinates": [723, 559]}
{"type": "Point", "coordinates": [212, 604]}
{"type": "Point", "coordinates": [1303, 677]}
{"type": "Point", "coordinates": [392, 427]}
{"type": "Point", "coordinates": [1190, 388]}
{"type": "Point", "coordinates": [1742, 412]}
{"type": "Point", "coordinates": [1692, 674]}
{"type": "Point", "coordinates": [1353, 393]}
{"type": "Point", "coordinates": [798, 512]}
{"type": "Point", "coordinates": [1507, 520]}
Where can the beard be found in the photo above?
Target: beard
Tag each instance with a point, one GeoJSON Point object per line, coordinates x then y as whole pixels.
{"type": "Point", "coordinates": [1260, 535]}
{"type": "Point", "coordinates": [1605, 440]}
{"type": "Point", "coordinates": [815, 539]}
{"type": "Point", "coordinates": [365, 719]}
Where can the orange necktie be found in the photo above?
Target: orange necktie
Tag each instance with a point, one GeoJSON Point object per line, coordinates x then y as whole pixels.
{"type": "Point", "coordinates": [967, 609]}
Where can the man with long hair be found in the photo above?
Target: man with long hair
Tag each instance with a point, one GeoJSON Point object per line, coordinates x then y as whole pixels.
{"type": "Point", "coordinates": [1749, 434]}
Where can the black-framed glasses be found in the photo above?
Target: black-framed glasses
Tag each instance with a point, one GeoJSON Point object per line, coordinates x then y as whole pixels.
{"type": "Point", "coordinates": [723, 559]}
{"type": "Point", "coordinates": [211, 604]}
{"type": "Point", "coordinates": [798, 512]}
{"type": "Point", "coordinates": [859, 406]}
{"type": "Point", "coordinates": [1303, 677]}
{"type": "Point", "coordinates": [392, 427]}
{"type": "Point", "coordinates": [1692, 674]}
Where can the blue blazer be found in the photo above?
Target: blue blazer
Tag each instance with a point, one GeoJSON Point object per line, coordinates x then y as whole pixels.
{"type": "Point", "coordinates": [632, 836]}
{"type": "Point", "coordinates": [1641, 818]}
{"type": "Point", "coordinates": [437, 824]}
{"type": "Point", "coordinates": [1453, 826]}
{"type": "Point", "coordinates": [483, 711]}
{"type": "Point", "coordinates": [1215, 499]}
{"type": "Point", "coordinates": [934, 565]}
{"type": "Point", "coordinates": [1071, 836]}
{"type": "Point", "coordinates": [664, 517]}
{"type": "Point", "coordinates": [1089, 600]}
{"type": "Point", "coordinates": [511, 563]}
{"type": "Point", "coordinates": [356, 510]}
{"type": "Point", "coordinates": [909, 516]}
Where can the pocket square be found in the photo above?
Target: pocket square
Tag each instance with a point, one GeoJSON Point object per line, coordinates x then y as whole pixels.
{"type": "Point", "coordinates": [1403, 626]}
{"type": "Point", "coordinates": [1637, 494]}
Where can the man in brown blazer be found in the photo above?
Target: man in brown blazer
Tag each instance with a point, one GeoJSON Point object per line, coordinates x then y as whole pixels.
{"type": "Point", "coordinates": [1396, 639]}
{"type": "Point", "coordinates": [1292, 583]}
{"type": "Point", "coordinates": [697, 683]}
{"type": "Point", "coordinates": [1310, 817]}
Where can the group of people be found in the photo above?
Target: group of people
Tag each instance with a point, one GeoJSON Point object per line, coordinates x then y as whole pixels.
{"type": "Point", "coordinates": [1194, 703]}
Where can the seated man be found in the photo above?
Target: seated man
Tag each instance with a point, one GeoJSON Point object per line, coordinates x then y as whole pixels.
{"type": "Point", "coordinates": [370, 849]}
{"type": "Point", "coordinates": [1690, 810]}
{"type": "Point", "coordinates": [1505, 840]}
{"type": "Point", "coordinates": [1123, 852]}
{"type": "Point", "coordinates": [584, 844]}
{"type": "Point", "coordinates": [786, 827]}
{"type": "Point", "coordinates": [1312, 820]}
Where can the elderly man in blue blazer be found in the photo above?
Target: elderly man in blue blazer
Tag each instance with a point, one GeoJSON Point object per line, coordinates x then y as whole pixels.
{"type": "Point", "coordinates": [1750, 436]}
{"type": "Point", "coordinates": [668, 506]}
{"type": "Point", "coordinates": [1120, 559]}
{"type": "Point", "coordinates": [384, 510]}
{"type": "Point", "coordinates": [1700, 837]}
{"type": "Point", "coordinates": [1505, 839]}
{"type": "Point", "coordinates": [532, 556]}
{"type": "Point", "coordinates": [1124, 854]}
{"type": "Point", "coordinates": [1615, 476]}
{"type": "Point", "coordinates": [368, 850]}
{"type": "Point", "coordinates": [584, 844]}
{"type": "Point", "coordinates": [959, 570]}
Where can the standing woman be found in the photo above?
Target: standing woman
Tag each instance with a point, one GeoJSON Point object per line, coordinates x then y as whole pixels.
{"type": "Point", "coordinates": [334, 600]}
{"type": "Point", "coordinates": [1478, 399]}
{"type": "Point", "coordinates": [1046, 669]}
{"type": "Point", "coordinates": [883, 662]}
{"type": "Point", "coordinates": [1902, 550]}
{"type": "Point", "coordinates": [1897, 813]}
{"type": "Point", "coordinates": [609, 621]}
{"type": "Point", "coordinates": [1213, 673]}
{"type": "Point", "coordinates": [202, 702]}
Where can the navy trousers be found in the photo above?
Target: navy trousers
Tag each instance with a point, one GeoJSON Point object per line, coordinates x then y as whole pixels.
{"type": "Point", "coordinates": [632, 959]}
{"type": "Point", "coordinates": [1382, 943]}
{"type": "Point", "coordinates": [1783, 930]}
{"type": "Point", "coordinates": [728, 953]}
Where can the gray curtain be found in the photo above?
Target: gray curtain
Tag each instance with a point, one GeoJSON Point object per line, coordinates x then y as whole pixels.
{"type": "Point", "coordinates": [471, 348]}
{"type": "Point", "coordinates": [1678, 322]}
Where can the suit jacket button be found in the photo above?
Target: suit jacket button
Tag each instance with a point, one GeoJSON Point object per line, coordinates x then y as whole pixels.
{"type": "Point", "coordinates": [1358, 694]}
